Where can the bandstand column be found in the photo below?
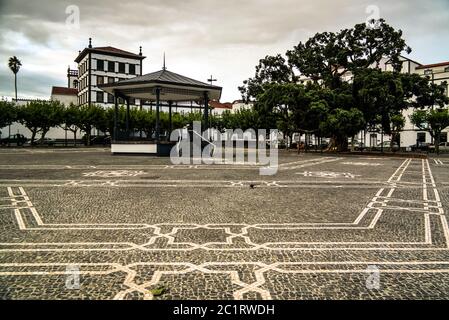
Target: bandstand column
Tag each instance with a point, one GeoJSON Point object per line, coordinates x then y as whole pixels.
{"type": "Point", "coordinates": [158, 102]}
{"type": "Point", "coordinates": [206, 110]}
{"type": "Point", "coordinates": [115, 116]}
{"type": "Point", "coordinates": [169, 117]}
{"type": "Point", "coordinates": [127, 118]}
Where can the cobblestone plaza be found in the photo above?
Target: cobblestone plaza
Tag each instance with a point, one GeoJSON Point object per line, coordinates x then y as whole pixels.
{"type": "Point", "coordinates": [318, 229]}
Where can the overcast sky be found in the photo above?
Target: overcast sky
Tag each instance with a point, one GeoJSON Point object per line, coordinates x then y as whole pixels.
{"type": "Point", "coordinates": [224, 38]}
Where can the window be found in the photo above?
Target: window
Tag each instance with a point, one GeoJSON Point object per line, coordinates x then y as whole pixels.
{"type": "Point", "coordinates": [100, 65]}
{"type": "Point", "coordinates": [428, 72]}
{"type": "Point", "coordinates": [132, 101]}
{"type": "Point", "coordinates": [132, 69]}
{"type": "Point", "coordinates": [110, 98]}
{"type": "Point", "coordinates": [421, 137]}
{"type": "Point", "coordinates": [443, 137]}
{"type": "Point", "coordinates": [75, 84]}
{"type": "Point", "coordinates": [121, 67]}
{"type": "Point", "coordinates": [111, 66]}
{"type": "Point", "coordinates": [100, 80]}
{"type": "Point", "coordinates": [446, 69]}
{"type": "Point", "coordinates": [100, 96]}
{"type": "Point", "coordinates": [111, 79]}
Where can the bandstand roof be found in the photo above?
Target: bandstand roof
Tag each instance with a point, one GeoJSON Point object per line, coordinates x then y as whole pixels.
{"type": "Point", "coordinates": [174, 87]}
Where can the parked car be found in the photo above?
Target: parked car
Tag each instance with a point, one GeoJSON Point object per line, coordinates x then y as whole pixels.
{"type": "Point", "coordinates": [359, 146]}
{"type": "Point", "coordinates": [386, 146]}
{"type": "Point", "coordinates": [46, 142]}
{"type": "Point", "coordinates": [97, 140]}
{"type": "Point", "coordinates": [14, 139]}
{"type": "Point", "coordinates": [38, 142]}
{"type": "Point", "coordinates": [443, 147]}
{"type": "Point", "coordinates": [421, 146]}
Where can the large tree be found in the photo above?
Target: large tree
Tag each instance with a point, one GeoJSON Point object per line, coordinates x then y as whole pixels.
{"type": "Point", "coordinates": [14, 64]}
{"type": "Point", "coordinates": [381, 95]}
{"type": "Point", "coordinates": [40, 116]}
{"type": "Point", "coordinates": [341, 124]}
{"type": "Point", "coordinates": [72, 119]}
{"type": "Point", "coordinates": [8, 113]}
{"type": "Point", "coordinates": [271, 69]}
{"type": "Point", "coordinates": [284, 101]}
{"type": "Point", "coordinates": [329, 59]}
{"type": "Point", "coordinates": [328, 56]}
{"type": "Point", "coordinates": [91, 116]}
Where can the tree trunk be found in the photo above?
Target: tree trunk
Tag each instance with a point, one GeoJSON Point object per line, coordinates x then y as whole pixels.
{"type": "Point", "coordinates": [44, 132]}
{"type": "Point", "coordinates": [15, 84]}
{"type": "Point", "coordinates": [33, 136]}
{"type": "Point", "coordinates": [339, 143]}
{"type": "Point", "coordinates": [437, 142]}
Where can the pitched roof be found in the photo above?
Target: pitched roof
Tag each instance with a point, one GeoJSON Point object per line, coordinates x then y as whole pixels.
{"type": "Point", "coordinates": [167, 77]}
{"type": "Point", "coordinates": [64, 91]}
{"type": "Point", "coordinates": [109, 51]}
{"type": "Point", "coordinates": [218, 105]}
{"type": "Point", "coordinates": [440, 64]}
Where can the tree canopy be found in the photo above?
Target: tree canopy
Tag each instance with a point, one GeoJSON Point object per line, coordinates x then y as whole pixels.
{"type": "Point", "coordinates": [332, 84]}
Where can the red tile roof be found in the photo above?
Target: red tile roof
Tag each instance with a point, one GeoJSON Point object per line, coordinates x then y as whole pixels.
{"type": "Point", "coordinates": [218, 105]}
{"type": "Point", "coordinates": [64, 91]}
{"type": "Point", "coordinates": [426, 66]}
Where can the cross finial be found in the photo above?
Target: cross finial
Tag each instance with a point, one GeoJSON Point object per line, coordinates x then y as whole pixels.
{"type": "Point", "coordinates": [140, 50]}
{"type": "Point", "coordinates": [164, 67]}
{"type": "Point", "coordinates": [211, 80]}
{"type": "Point", "coordinates": [90, 42]}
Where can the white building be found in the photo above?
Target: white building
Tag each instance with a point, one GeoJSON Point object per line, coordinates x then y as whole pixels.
{"type": "Point", "coordinates": [241, 105]}
{"type": "Point", "coordinates": [437, 73]}
{"type": "Point", "coordinates": [64, 95]}
{"type": "Point", "coordinates": [104, 65]}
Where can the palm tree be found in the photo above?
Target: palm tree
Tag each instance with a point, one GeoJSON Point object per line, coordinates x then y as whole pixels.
{"type": "Point", "coordinates": [14, 64]}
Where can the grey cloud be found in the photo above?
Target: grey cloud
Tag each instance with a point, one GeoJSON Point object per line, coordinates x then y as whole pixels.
{"type": "Point", "coordinates": [233, 34]}
{"type": "Point", "coordinates": [29, 84]}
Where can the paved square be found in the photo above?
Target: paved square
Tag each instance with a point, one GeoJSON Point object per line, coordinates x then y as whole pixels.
{"type": "Point", "coordinates": [321, 228]}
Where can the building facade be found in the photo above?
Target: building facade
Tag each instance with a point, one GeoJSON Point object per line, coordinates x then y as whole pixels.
{"type": "Point", "coordinates": [66, 96]}
{"type": "Point", "coordinates": [98, 65]}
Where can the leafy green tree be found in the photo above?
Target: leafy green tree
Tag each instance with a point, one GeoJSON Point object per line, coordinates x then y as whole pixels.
{"type": "Point", "coordinates": [8, 113]}
{"type": "Point", "coordinates": [40, 116]}
{"type": "Point", "coordinates": [434, 121]}
{"type": "Point", "coordinates": [271, 69]}
{"type": "Point", "coordinates": [429, 95]}
{"type": "Point", "coordinates": [329, 56]}
{"type": "Point", "coordinates": [341, 124]}
{"type": "Point", "coordinates": [381, 95]}
{"type": "Point", "coordinates": [146, 122]}
{"type": "Point", "coordinates": [327, 59]}
{"type": "Point", "coordinates": [71, 119]}
{"type": "Point", "coordinates": [285, 101]}
{"type": "Point", "coordinates": [397, 124]}
{"type": "Point", "coordinates": [14, 65]}
{"type": "Point", "coordinates": [91, 116]}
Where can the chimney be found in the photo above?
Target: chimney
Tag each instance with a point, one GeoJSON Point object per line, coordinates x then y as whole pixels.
{"type": "Point", "coordinates": [140, 50]}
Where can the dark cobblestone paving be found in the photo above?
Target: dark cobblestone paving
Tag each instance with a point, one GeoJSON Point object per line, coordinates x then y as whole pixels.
{"type": "Point", "coordinates": [123, 227]}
